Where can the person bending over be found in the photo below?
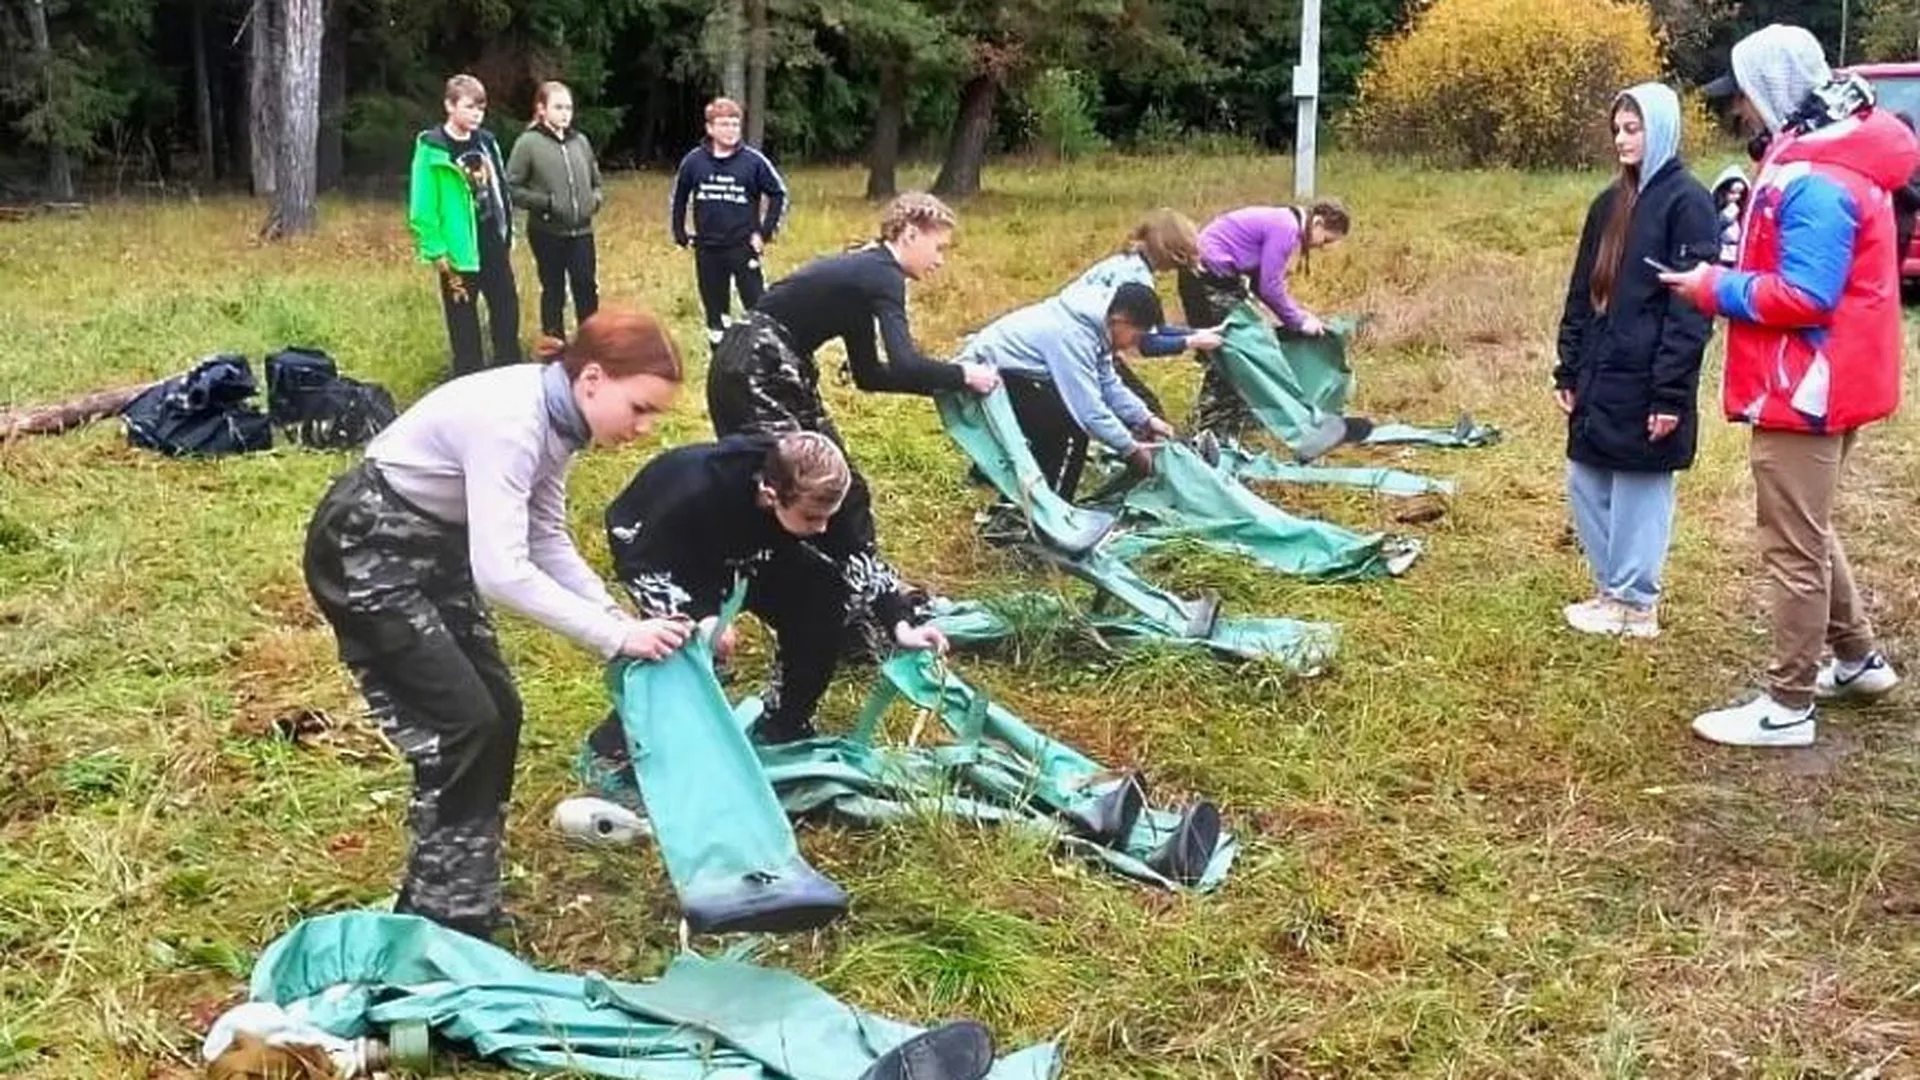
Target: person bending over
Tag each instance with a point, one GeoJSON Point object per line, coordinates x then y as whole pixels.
{"type": "Point", "coordinates": [464, 497]}
{"type": "Point", "coordinates": [1058, 359]}
{"type": "Point", "coordinates": [764, 377]}
{"type": "Point", "coordinates": [1165, 240]}
{"type": "Point", "coordinates": [782, 514]}
{"type": "Point", "coordinates": [1251, 250]}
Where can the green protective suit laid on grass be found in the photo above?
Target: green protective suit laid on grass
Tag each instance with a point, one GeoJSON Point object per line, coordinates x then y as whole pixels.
{"type": "Point", "coordinates": [1247, 465]}
{"type": "Point", "coordinates": [1300, 388]}
{"type": "Point", "coordinates": [998, 769]}
{"type": "Point", "coordinates": [362, 973]}
{"type": "Point", "coordinates": [1186, 499]}
{"type": "Point", "coordinates": [977, 623]}
{"type": "Point", "coordinates": [729, 849]}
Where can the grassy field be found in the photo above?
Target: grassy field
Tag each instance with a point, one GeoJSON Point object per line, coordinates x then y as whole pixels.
{"type": "Point", "coordinates": [1478, 846]}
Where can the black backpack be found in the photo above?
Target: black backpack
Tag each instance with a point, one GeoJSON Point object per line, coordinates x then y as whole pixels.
{"type": "Point", "coordinates": [318, 407]}
{"type": "Point", "coordinates": [202, 413]}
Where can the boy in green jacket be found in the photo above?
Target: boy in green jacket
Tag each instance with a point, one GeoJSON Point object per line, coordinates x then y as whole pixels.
{"type": "Point", "coordinates": [461, 214]}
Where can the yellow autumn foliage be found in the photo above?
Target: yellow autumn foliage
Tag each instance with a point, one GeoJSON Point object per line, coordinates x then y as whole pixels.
{"type": "Point", "coordinates": [1525, 83]}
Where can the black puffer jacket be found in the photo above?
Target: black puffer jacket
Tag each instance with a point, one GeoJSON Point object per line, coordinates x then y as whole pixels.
{"type": "Point", "coordinates": [1641, 355]}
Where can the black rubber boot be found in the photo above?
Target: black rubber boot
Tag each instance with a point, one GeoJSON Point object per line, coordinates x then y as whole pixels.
{"type": "Point", "coordinates": [1109, 820]}
{"type": "Point", "coordinates": [962, 1050]}
{"type": "Point", "coordinates": [1184, 856]}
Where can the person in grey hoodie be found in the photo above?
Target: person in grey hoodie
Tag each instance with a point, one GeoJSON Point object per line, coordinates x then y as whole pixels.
{"type": "Point", "coordinates": [1057, 359]}
{"type": "Point", "coordinates": [553, 173]}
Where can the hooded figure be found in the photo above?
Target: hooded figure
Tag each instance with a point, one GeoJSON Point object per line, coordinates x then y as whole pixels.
{"type": "Point", "coordinates": [1813, 354]}
{"type": "Point", "coordinates": [1058, 359]}
{"type": "Point", "coordinates": [1629, 362]}
{"type": "Point", "coordinates": [1730, 190]}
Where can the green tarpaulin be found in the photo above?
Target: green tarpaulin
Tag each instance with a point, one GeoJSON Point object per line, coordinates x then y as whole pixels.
{"type": "Point", "coordinates": [361, 973]}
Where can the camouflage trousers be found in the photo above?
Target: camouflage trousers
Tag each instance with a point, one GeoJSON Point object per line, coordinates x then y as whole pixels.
{"type": "Point", "coordinates": [1207, 299]}
{"type": "Point", "coordinates": [760, 384]}
{"type": "Point", "coordinates": [397, 587]}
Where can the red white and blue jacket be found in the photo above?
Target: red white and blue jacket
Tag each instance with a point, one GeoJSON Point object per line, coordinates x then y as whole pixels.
{"type": "Point", "coordinates": [1813, 303]}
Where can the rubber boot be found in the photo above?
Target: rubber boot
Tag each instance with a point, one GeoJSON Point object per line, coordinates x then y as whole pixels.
{"type": "Point", "coordinates": [962, 1050]}
{"type": "Point", "coordinates": [1109, 820]}
{"type": "Point", "coordinates": [1184, 856]}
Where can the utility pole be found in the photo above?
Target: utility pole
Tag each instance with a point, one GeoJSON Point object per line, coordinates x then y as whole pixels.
{"type": "Point", "coordinates": [1306, 90]}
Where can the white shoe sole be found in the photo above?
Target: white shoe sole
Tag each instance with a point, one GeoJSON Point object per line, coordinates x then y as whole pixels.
{"type": "Point", "coordinates": [1860, 689]}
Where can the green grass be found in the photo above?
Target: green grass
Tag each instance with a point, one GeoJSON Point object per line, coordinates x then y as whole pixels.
{"type": "Point", "coordinates": [1477, 846]}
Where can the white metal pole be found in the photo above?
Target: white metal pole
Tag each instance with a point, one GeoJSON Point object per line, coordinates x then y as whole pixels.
{"type": "Point", "coordinates": [1306, 90]}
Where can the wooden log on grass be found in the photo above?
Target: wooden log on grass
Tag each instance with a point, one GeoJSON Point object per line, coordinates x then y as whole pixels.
{"type": "Point", "coordinates": [67, 415]}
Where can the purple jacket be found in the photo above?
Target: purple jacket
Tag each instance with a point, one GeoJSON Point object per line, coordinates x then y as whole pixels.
{"type": "Point", "coordinates": [1257, 241]}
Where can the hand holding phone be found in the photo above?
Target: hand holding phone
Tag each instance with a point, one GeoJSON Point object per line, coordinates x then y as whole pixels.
{"type": "Point", "coordinates": [1658, 265]}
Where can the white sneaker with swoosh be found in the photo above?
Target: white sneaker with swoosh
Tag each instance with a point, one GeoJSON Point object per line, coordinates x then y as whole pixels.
{"type": "Point", "coordinates": [1869, 678]}
{"type": "Point", "coordinates": [1760, 722]}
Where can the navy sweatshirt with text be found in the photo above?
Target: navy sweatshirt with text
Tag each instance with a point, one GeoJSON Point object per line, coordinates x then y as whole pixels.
{"type": "Point", "coordinates": [726, 193]}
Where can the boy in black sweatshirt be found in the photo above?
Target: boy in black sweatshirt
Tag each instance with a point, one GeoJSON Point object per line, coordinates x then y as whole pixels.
{"type": "Point", "coordinates": [727, 182]}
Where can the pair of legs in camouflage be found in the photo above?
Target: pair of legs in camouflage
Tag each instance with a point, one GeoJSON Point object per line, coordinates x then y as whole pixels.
{"type": "Point", "coordinates": [1206, 300]}
{"type": "Point", "coordinates": [397, 587]}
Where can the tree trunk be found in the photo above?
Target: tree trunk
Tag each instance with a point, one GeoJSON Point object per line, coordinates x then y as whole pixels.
{"type": "Point", "coordinates": [202, 93]}
{"type": "Point", "coordinates": [883, 152]}
{"type": "Point", "coordinates": [59, 166]}
{"type": "Point", "coordinates": [756, 72]}
{"type": "Point", "coordinates": [727, 45]}
{"type": "Point", "coordinates": [302, 30]}
{"type": "Point", "coordinates": [67, 415]}
{"type": "Point", "coordinates": [332, 159]}
{"type": "Point", "coordinates": [967, 148]}
{"type": "Point", "coordinates": [263, 98]}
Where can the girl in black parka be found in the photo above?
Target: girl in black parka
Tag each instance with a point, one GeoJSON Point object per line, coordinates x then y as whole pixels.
{"type": "Point", "coordinates": [1629, 363]}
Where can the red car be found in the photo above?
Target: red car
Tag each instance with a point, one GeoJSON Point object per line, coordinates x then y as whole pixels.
{"type": "Point", "coordinates": [1897, 87]}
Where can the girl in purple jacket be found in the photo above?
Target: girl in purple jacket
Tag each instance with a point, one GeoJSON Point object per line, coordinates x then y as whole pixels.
{"type": "Point", "coordinates": [1242, 252]}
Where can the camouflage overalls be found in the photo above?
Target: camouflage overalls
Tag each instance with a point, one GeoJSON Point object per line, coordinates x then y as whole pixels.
{"type": "Point", "coordinates": [397, 586]}
{"type": "Point", "coordinates": [760, 385]}
{"type": "Point", "coordinates": [1207, 299]}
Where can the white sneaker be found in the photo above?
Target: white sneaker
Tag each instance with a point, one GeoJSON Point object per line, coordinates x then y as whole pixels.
{"type": "Point", "coordinates": [1760, 722]}
{"type": "Point", "coordinates": [1595, 616]}
{"type": "Point", "coordinates": [1869, 678]}
{"type": "Point", "coordinates": [1605, 615]}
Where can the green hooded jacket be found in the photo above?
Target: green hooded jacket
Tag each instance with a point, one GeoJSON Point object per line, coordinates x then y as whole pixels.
{"type": "Point", "coordinates": [557, 179]}
{"type": "Point", "coordinates": [441, 198]}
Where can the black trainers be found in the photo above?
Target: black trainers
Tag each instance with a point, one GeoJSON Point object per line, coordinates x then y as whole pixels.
{"type": "Point", "coordinates": [962, 1050]}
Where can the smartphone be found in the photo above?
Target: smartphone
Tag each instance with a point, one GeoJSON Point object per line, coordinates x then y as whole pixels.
{"type": "Point", "coordinates": [1658, 265]}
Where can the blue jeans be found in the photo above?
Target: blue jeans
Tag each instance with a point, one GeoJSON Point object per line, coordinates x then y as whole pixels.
{"type": "Point", "coordinates": [1625, 520]}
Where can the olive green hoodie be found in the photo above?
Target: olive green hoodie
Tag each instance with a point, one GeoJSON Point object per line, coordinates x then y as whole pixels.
{"type": "Point", "coordinates": [557, 179]}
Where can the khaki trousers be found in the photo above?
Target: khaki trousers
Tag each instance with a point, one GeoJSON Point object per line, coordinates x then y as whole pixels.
{"type": "Point", "coordinates": [1812, 597]}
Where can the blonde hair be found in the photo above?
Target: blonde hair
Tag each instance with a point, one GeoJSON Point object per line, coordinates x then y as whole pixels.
{"type": "Point", "coordinates": [464, 87]}
{"type": "Point", "coordinates": [918, 209]}
{"type": "Point", "coordinates": [1166, 239]}
{"type": "Point", "coordinates": [723, 106]}
{"type": "Point", "coordinates": [806, 466]}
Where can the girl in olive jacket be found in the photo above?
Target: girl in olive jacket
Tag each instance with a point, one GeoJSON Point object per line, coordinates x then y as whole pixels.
{"type": "Point", "coordinates": [553, 174]}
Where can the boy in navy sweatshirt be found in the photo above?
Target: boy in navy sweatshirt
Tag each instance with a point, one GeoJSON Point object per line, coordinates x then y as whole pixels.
{"type": "Point", "coordinates": [727, 182]}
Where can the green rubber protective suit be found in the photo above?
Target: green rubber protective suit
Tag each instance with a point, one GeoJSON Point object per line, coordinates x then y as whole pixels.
{"type": "Point", "coordinates": [997, 769]}
{"type": "Point", "coordinates": [728, 846]}
{"type": "Point", "coordinates": [1300, 388]}
{"type": "Point", "coordinates": [355, 974]}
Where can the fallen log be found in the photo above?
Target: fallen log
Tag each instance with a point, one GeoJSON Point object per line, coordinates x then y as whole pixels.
{"type": "Point", "coordinates": [67, 415]}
